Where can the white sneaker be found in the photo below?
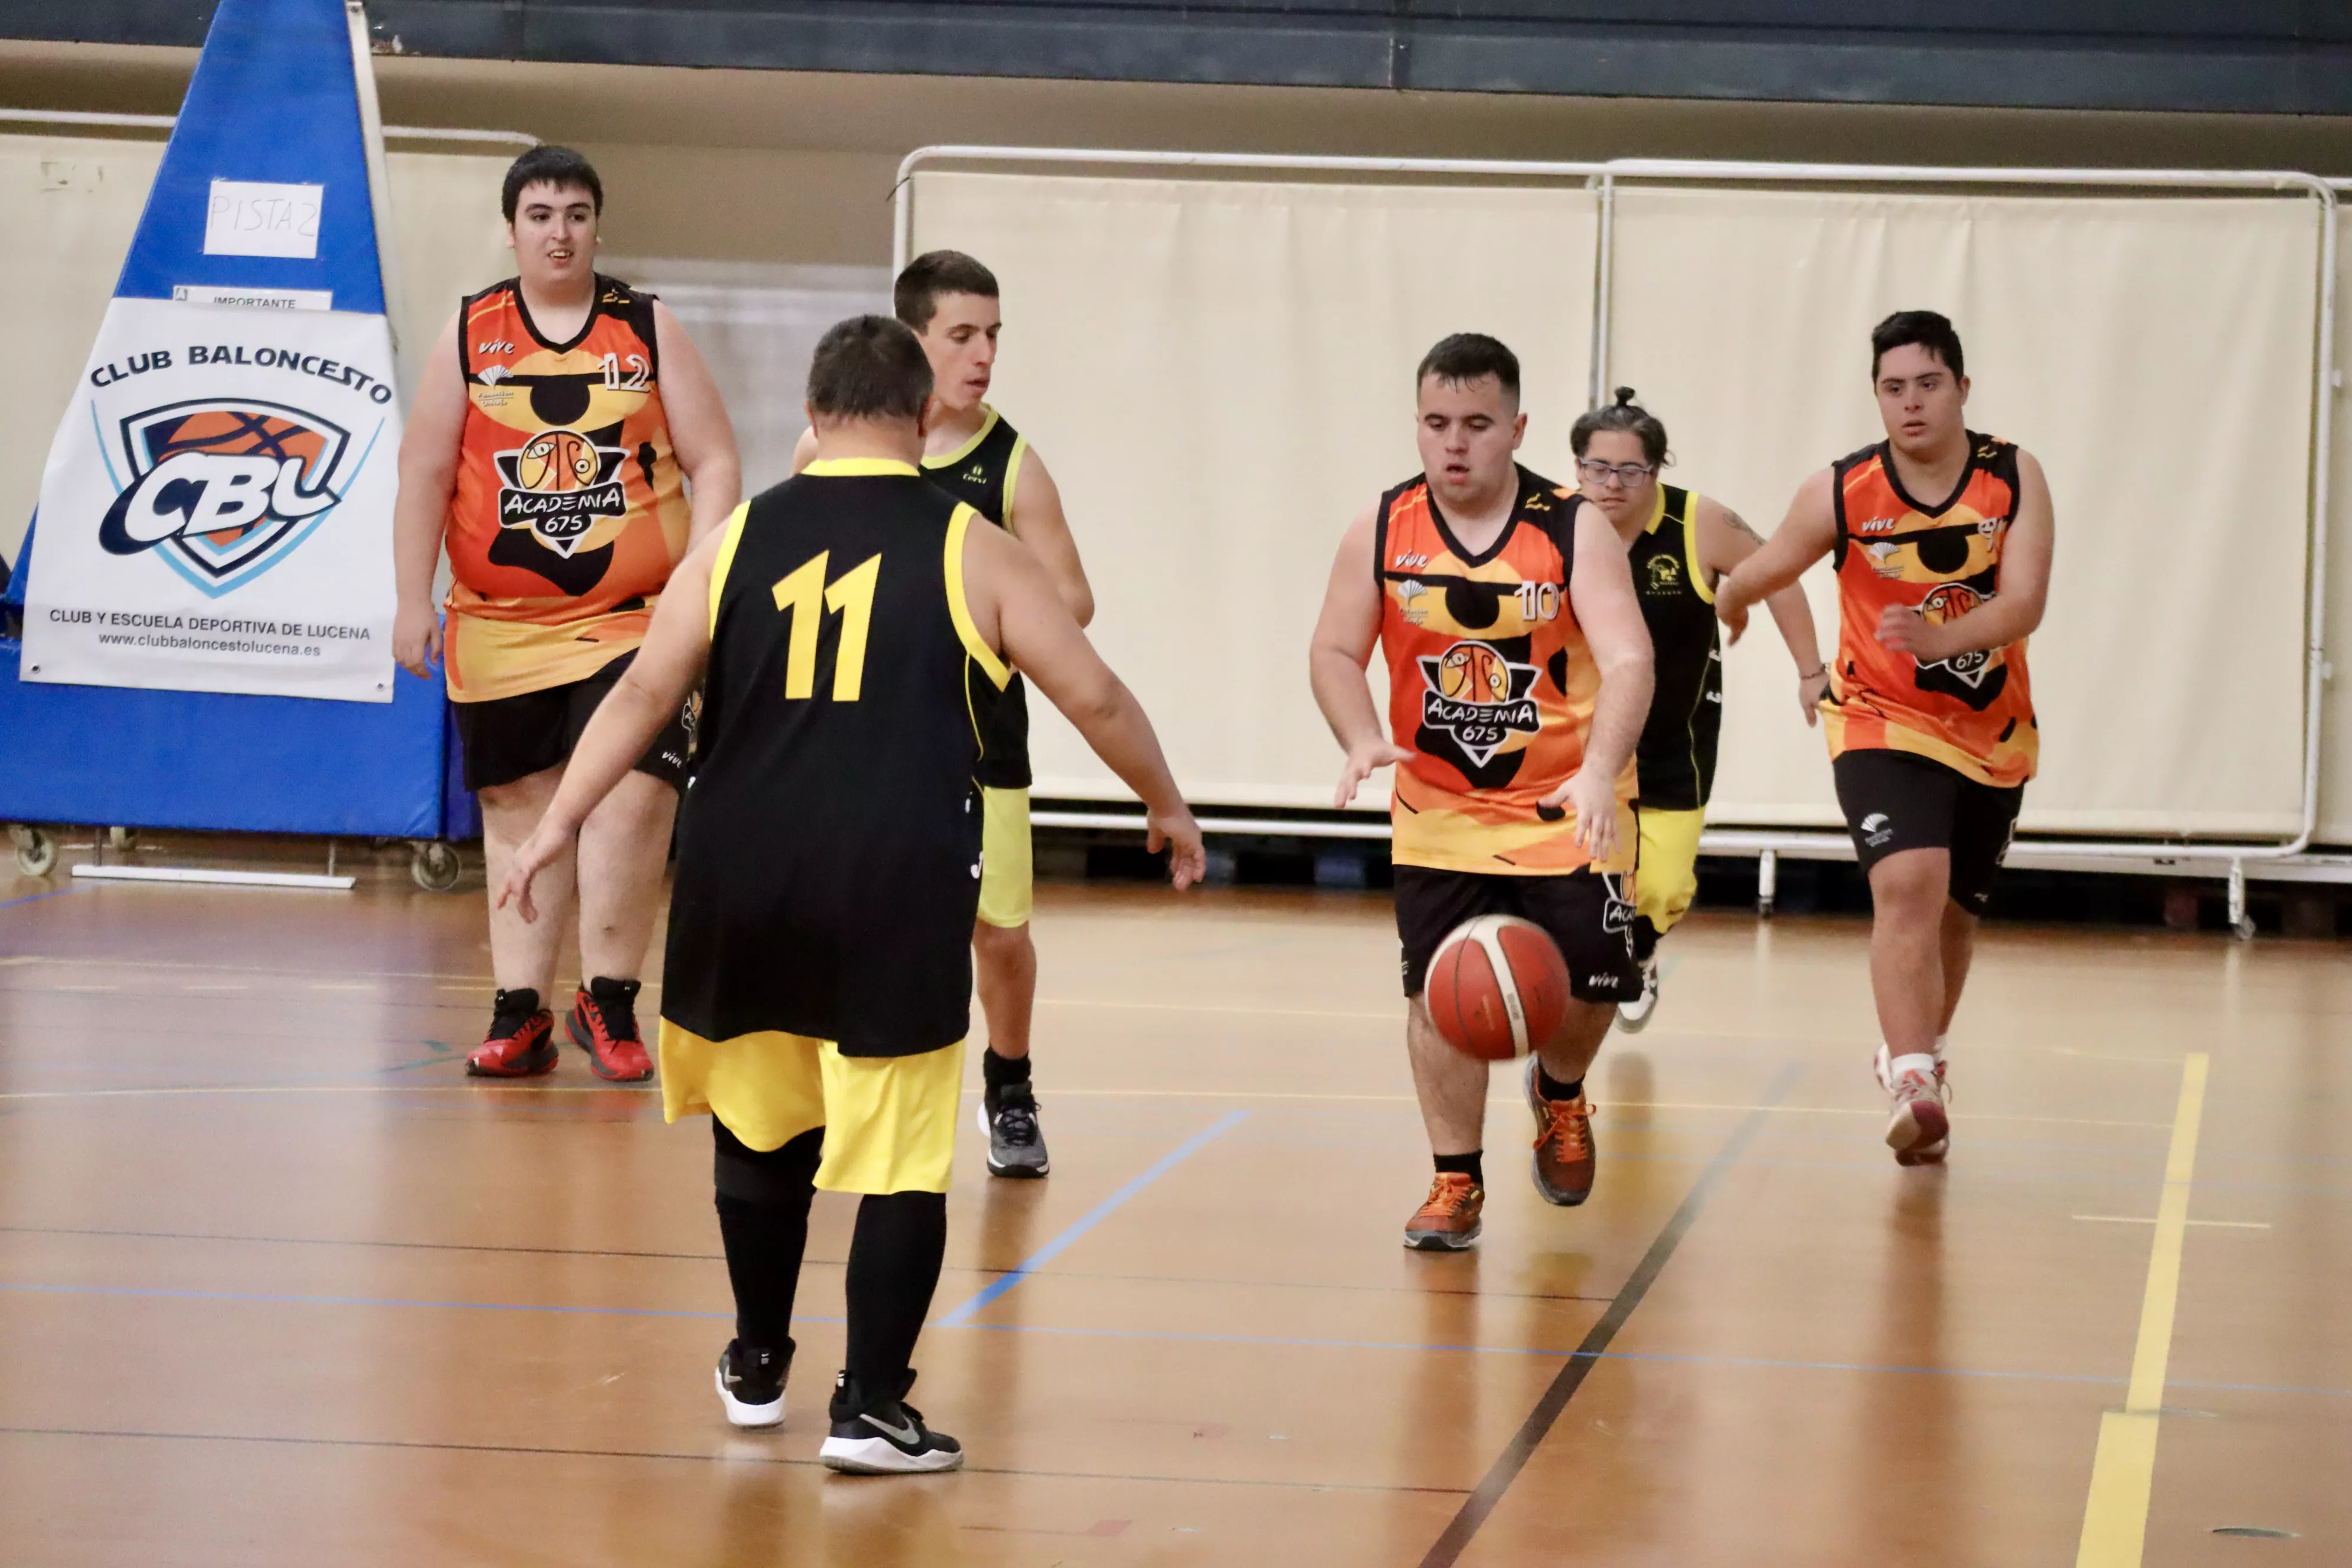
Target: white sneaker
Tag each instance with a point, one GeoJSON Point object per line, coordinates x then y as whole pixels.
{"type": "Point", "coordinates": [1920, 1130]}
{"type": "Point", "coordinates": [1634, 1017]}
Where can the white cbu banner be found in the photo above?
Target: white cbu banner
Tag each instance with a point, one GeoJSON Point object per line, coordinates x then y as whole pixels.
{"type": "Point", "coordinates": [216, 512]}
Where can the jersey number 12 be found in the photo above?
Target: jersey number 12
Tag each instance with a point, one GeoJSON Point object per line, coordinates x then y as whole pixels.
{"type": "Point", "coordinates": [805, 596]}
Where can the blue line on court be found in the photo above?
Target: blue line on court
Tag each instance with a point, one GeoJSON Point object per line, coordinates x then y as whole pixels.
{"type": "Point", "coordinates": [36, 898]}
{"type": "Point", "coordinates": [958, 1317]}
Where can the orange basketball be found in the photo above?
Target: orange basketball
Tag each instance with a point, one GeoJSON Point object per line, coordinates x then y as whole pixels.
{"type": "Point", "coordinates": [1471, 672]}
{"type": "Point", "coordinates": [557, 460]}
{"type": "Point", "coordinates": [1497, 987]}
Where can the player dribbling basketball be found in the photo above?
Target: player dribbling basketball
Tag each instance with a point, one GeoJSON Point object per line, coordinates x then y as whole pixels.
{"type": "Point", "coordinates": [1942, 541]}
{"type": "Point", "coordinates": [1518, 677]}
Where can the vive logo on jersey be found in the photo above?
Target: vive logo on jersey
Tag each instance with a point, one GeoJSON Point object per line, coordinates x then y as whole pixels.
{"type": "Point", "coordinates": [225, 489]}
{"type": "Point", "coordinates": [1479, 698]}
{"type": "Point", "coordinates": [557, 484]}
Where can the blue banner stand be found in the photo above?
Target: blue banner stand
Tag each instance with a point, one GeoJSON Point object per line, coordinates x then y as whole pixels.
{"type": "Point", "coordinates": [274, 97]}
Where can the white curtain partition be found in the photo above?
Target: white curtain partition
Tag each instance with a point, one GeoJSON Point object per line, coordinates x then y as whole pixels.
{"type": "Point", "coordinates": [1219, 373]}
{"type": "Point", "coordinates": [1219, 376]}
{"type": "Point", "coordinates": [70, 205]}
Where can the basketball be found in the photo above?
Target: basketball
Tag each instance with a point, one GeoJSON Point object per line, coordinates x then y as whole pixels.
{"type": "Point", "coordinates": [558, 461]}
{"type": "Point", "coordinates": [1497, 987]}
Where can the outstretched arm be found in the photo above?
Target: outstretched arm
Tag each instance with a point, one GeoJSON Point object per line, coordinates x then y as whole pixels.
{"type": "Point", "coordinates": [1345, 636]}
{"type": "Point", "coordinates": [1018, 611]}
{"type": "Point", "coordinates": [1600, 590]}
{"type": "Point", "coordinates": [1805, 535]}
{"type": "Point", "coordinates": [1036, 520]}
{"type": "Point", "coordinates": [1724, 540]}
{"type": "Point", "coordinates": [428, 475]}
{"type": "Point", "coordinates": [646, 696]}
{"type": "Point", "coordinates": [2016, 609]}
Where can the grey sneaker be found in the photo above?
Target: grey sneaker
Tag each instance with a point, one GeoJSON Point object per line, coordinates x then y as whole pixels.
{"type": "Point", "coordinates": [1017, 1146]}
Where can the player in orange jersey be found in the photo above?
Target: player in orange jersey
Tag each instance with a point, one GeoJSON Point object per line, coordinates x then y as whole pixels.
{"type": "Point", "coordinates": [1942, 540]}
{"type": "Point", "coordinates": [1520, 675]}
{"type": "Point", "coordinates": [561, 418]}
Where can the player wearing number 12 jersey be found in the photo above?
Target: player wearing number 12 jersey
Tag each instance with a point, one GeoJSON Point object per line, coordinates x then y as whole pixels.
{"type": "Point", "coordinates": [560, 416]}
{"type": "Point", "coordinates": [818, 985]}
{"type": "Point", "coordinates": [1518, 675]}
{"type": "Point", "coordinates": [1941, 539]}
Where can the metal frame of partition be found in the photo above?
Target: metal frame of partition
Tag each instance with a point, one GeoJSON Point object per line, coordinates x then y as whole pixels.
{"type": "Point", "coordinates": [2290, 859]}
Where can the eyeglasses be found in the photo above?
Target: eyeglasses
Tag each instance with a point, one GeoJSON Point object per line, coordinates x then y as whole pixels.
{"type": "Point", "coordinates": [1626, 475]}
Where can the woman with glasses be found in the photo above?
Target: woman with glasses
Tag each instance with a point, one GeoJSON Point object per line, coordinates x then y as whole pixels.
{"type": "Point", "coordinates": [1679, 545]}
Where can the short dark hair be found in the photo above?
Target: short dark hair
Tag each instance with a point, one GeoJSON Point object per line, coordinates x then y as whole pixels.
{"type": "Point", "coordinates": [1928, 328]}
{"type": "Point", "coordinates": [916, 295]}
{"type": "Point", "coordinates": [870, 367]}
{"type": "Point", "coordinates": [559, 166]}
{"type": "Point", "coordinates": [1622, 415]}
{"type": "Point", "coordinates": [1470, 356]}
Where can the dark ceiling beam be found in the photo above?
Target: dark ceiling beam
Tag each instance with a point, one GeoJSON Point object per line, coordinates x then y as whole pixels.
{"type": "Point", "coordinates": [2275, 56]}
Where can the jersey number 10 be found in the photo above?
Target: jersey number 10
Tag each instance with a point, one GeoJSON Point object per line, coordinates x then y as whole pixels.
{"type": "Point", "coordinates": [805, 596]}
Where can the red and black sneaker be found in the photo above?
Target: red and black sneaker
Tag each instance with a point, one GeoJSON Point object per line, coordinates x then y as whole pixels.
{"type": "Point", "coordinates": [604, 1023]}
{"type": "Point", "coordinates": [521, 1041]}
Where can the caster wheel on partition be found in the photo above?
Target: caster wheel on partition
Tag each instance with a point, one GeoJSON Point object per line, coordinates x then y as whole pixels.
{"type": "Point", "coordinates": [37, 852]}
{"type": "Point", "coordinates": [2243, 928]}
{"type": "Point", "coordinates": [122, 839]}
{"type": "Point", "coordinates": [1763, 909]}
{"type": "Point", "coordinates": [436, 867]}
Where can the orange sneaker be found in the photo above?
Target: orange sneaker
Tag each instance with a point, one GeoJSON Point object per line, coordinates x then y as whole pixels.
{"type": "Point", "coordinates": [604, 1023]}
{"type": "Point", "coordinates": [1564, 1161]}
{"type": "Point", "coordinates": [1448, 1220]}
{"type": "Point", "coordinates": [520, 1043]}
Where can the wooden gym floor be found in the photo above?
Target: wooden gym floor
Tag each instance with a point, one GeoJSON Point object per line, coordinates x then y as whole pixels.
{"type": "Point", "coordinates": [277, 1285]}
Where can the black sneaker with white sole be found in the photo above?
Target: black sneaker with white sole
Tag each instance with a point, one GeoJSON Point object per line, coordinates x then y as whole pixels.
{"type": "Point", "coordinates": [1016, 1145]}
{"type": "Point", "coordinates": [751, 1383]}
{"type": "Point", "coordinates": [884, 1436]}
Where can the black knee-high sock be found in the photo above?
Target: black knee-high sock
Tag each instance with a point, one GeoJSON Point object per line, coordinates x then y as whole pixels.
{"type": "Point", "coordinates": [893, 1266]}
{"type": "Point", "coordinates": [764, 1209]}
{"type": "Point", "coordinates": [1646, 940]}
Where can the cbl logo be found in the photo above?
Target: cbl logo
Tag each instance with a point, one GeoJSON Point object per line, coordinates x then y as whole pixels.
{"type": "Point", "coordinates": [225, 487]}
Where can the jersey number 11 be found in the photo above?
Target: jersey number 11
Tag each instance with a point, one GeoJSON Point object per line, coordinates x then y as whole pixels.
{"type": "Point", "coordinates": [805, 596]}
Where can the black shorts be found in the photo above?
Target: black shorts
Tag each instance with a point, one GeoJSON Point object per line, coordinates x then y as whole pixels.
{"type": "Point", "coordinates": [1586, 913]}
{"type": "Point", "coordinates": [1895, 801]}
{"type": "Point", "coordinates": [510, 738]}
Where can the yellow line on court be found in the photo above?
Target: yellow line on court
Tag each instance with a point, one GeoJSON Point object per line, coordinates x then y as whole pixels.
{"type": "Point", "coordinates": [2150, 1219]}
{"type": "Point", "coordinates": [2115, 1517]}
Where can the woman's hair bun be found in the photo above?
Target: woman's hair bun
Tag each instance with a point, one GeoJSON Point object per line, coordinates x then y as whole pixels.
{"type": "Point", "coordinates": [1624, 397]}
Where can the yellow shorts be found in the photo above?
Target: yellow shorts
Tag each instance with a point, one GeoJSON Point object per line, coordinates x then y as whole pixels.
{"type": "Point", "coordinates": [889, 1121]}
{"type": "Point", "coordinates": [1667, 879]}
{"type": "Point", "coordinates": [1005, 872]}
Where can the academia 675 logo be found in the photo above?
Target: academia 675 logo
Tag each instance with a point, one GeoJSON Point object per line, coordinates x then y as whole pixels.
{"type": "Point", "coordinates": [225, 487]}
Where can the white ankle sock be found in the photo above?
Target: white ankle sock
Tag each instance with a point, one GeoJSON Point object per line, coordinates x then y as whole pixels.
{"type": "Point", "coordinates": [1919, 1062]}
{"type": "Point", "coordinates": [1940, 1043]}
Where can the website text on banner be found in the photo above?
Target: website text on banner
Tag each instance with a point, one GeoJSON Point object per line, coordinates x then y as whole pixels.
{"type": "Point", "coordinates": [216, 511]}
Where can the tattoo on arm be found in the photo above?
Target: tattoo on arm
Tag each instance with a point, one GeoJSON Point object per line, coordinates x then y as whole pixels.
{"type": "Point", "coordinates": [1736, 521]}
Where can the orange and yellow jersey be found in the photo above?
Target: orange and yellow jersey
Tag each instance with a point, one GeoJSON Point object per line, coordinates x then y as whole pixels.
{"type": "Point", "coordinates": [1972, 712]}
{"type": "Point", "coordinates": [569, 509]}
{"type": "Point", "coordinates": [1491, 686]}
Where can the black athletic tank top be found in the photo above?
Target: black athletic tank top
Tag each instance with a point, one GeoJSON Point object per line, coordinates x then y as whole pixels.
{"type": "Point", "coordinates": [983, 473]}
{"type": "Point", "coordinates": [1677, 755]}
{"type": "Point", "coordinates": [828, 858]}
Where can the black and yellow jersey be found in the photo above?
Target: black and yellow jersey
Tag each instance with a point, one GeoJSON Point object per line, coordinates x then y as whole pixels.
{"type": "Point", "coordinates": [1677, 753]}
{"type": "Point", "coordinates": [829, 845]}
{"type": "Point", "coordinates": [983, 473]}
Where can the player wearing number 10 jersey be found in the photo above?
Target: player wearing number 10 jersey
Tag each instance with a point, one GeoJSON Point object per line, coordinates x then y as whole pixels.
{"type": "Point", "coordinates": [818, 985]}
{"type": "Point", "coordinates": [1520, 671]}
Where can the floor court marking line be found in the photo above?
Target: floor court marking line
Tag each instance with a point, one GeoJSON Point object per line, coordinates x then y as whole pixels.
{"type": "Point", "coordinates": [2122, 1469]}
{"type": "Point", "coordinates": [1762, 1363]}
{"type": "Point", "coordinates": [1475, 1510]}
{"type": "Point", "coordinates": [960, 1315]}
{"type": "Point", "coordinates": [739, 1451]}
{"type": "Point", "coordinates": [2158, 1219]}
{"type": "Point", "coordinates": [36, 898]}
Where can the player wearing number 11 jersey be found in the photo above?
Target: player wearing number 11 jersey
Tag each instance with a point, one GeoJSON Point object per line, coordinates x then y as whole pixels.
{"type": "Point", "coordinates": [818, 985]}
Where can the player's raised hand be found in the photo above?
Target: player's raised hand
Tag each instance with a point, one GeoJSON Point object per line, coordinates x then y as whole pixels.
{"type": "Point", "coordinates": [1176, 831]}
{"type": "Point", "coordinates": [1593, 798]}
{"type": "Point", "coordinates": [534, 855]}
{"type": "Point", "coordinates": [1362, 763]}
